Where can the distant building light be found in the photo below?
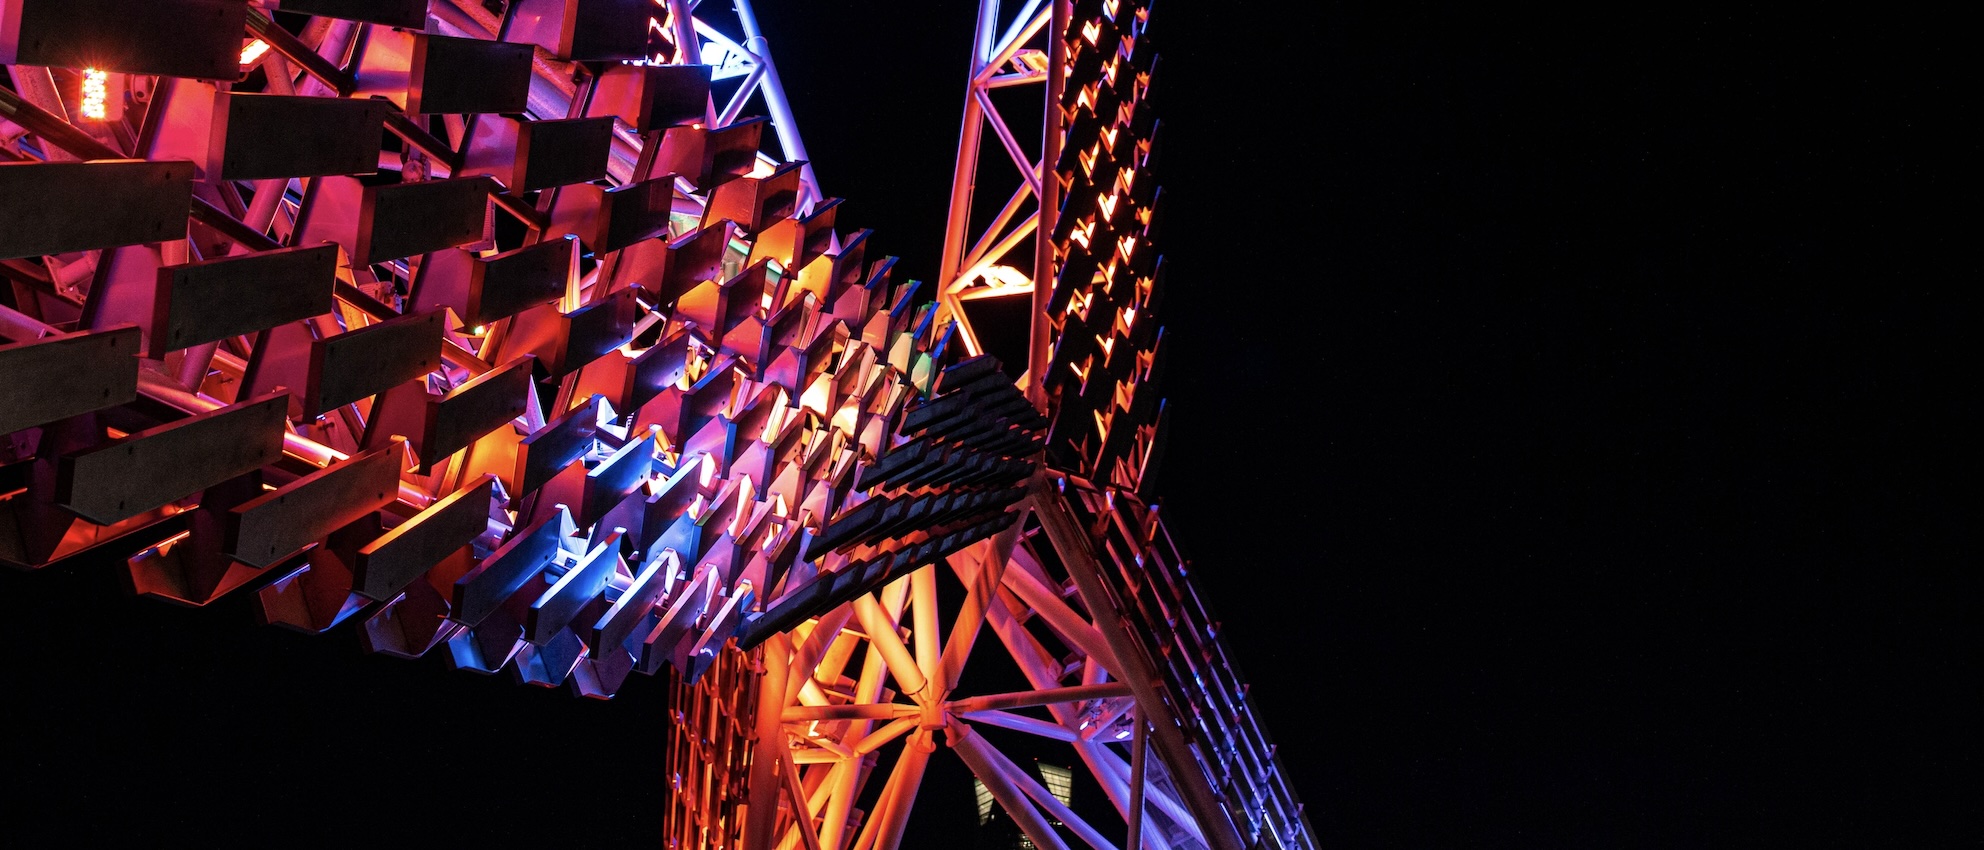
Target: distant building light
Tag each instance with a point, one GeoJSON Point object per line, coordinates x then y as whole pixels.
{"type": "Point", "coordinates": [1060, 781]}
{"type": "Point", "coordinates": [984, 796]}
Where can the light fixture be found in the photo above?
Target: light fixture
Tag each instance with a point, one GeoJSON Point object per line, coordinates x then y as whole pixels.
{"type": "Point", "coordinates": [96, 94]}
{"type": "Point", "coordinates": [252, 51]}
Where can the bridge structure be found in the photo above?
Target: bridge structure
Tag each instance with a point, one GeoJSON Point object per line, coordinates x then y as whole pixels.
{"type": "Point", "coordinates": [502, 331]}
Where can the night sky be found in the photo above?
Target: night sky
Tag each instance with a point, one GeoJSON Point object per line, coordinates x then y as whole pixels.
{"type": "Point", "coordinates": [1551, 421]}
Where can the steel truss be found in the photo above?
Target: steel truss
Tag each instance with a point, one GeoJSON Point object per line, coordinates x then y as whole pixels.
{"type": "Point", "coordinates": [1085, 202]}
{"type": "Point", "coordinates": [993, 263]}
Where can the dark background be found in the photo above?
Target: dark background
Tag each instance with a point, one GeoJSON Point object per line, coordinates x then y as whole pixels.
{"type": "Point", "coordinates": [1557, 421]}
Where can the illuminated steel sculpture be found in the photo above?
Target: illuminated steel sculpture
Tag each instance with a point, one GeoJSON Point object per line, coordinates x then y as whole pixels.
{"type": "Point", "coordinates": [489, 329]}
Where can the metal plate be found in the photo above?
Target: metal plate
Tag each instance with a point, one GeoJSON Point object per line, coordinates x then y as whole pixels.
{"type": "Point", "coordinates": [268, 136]}
{"type": "Point", "coordinates": [484, 289]}
{"type": "Point", "coordinates": [269, 527]}
{"type": "Point", "coordinates": [411, 14]}
{"type": "Point", "coordinates": [404, 219]}
{"type": "Point", "coordinates": [847, 264]}
{"type": "Point", "coordinates": [618, 623]}
{"type": "Point", "coordinates": [555, 609]}
{"type": "Point", "coordinates": [371, 360]}
{"type": "Point", "coordinates": [473, 409]}
{"type": "Point", "coordinates": [134, 474]}
{"type": "Point", "coordinates": [718, 307]}
{"type": "Point", "coordinates": [656, 369]}
{"type": "Point", "coordinates": [591, 30]}
{"type": "Point", "coordinates": [177, 38]}
{"type": "Point", "coordinates": [652, 97]}
{"type": "Point", "coordinates": [691, 602]}
{"type": "Point", "coordinates": [530, 155]}
{"type": "Point", "coordinates": [634, 212]}
{"type": "Point", "coordinates": [733, 150]}
{"type": "Point", "coordinates": [604, 30]}
{"type": "Point", "coordinates": [755, 203]}
{"type": "Point", "coordinates": [707, 158]}
{"type": "Point", "coordinates": [514, 281]}
{"type": "Point", "coordinates": [615, 477]}
{"type": "Point", "coordinates": [595, 329]}
{"type": "Point", "coordinates": [460, 75]}
{"type": "Point", "coordinates": [51, 379]}
{"type": "Point", "coordinates": [561, 152]}
{"type": "Point", "coordinates": [485, 588]}
{"type": "Point", "coordinates": [692, 259]}
{"type": "Point", "coordinates": [387, 565]}
{"type": "Point", "coordinates": [558, 444]}
{"type": "Point", "coordinates": [816, 232]}
{"type": "Point", "coordinates": [58, 207]}
{"type": "Point", "coordinates": [216, 299]}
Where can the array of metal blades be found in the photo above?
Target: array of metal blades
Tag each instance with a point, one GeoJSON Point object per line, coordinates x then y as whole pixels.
{"type": "Point", "coordinates": [959, 461]}
{"type": "Point", "coordinates": [499, 345]}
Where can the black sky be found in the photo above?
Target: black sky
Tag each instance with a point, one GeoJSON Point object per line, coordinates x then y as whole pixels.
{"type": "Point", "coordinates": [1552, 409]}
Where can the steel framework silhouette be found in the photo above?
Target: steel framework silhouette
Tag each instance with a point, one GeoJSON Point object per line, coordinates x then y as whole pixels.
{"type": "Point", "coordinates": [497, 330]}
